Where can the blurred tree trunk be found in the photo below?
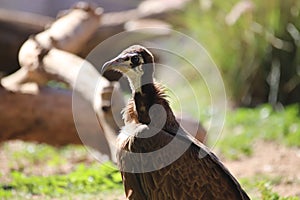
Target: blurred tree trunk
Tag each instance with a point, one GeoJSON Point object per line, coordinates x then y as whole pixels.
{"type": "Point", "coordinates": [47, 118]}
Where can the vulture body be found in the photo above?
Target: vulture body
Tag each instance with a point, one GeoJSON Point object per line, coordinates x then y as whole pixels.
{"type": "Point", "coordinates": [158, 160]}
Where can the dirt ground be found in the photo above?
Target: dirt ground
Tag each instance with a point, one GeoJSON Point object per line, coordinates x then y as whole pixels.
{"type": "Point", "coordinates": [269, 160]}
{"type": "Point", "coordinates": [274, 161]}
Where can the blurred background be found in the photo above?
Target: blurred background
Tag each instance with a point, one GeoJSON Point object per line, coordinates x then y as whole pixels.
{"type": "Point", "coordinates": [255, 45]}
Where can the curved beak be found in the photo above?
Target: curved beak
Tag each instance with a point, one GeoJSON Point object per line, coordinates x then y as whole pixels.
{"type": "Point", "coordinates": [109, 65]}
{"type": "Point", "coordinates": [116, 64]}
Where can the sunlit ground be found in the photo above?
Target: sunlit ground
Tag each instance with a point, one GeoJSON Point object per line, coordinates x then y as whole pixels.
{"type": "Point", "coordinates": [258, 145]}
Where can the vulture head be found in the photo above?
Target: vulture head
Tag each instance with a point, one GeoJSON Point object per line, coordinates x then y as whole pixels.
{"type": "Point", "coordinates": [136, 63]}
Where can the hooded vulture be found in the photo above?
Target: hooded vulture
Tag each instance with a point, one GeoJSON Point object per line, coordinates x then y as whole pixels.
{"type": "Point", "coordinates": [157, 159]}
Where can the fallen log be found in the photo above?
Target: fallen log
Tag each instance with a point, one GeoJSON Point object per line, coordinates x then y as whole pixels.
{"type": "Point", "coordinates": [50, 55]}
{"type": "Point", "coordinates": [47, 118]}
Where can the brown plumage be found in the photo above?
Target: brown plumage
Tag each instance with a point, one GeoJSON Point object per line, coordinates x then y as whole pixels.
{"type": "Point", "coordinates": [186, 169]}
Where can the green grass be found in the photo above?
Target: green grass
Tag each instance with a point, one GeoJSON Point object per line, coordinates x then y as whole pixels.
{"type": "Point", "coordinates": [84, 179]}
{"type": "Point", "coordinates": [267, 194]}
{"type": "Point", "coordinates": [94, 180]}
{"type": "Point", "coordinates": [34, 154]}
{"type": "Point", "coordinates": [244, 126]}
{"type": "Point", "coordinates": [37, 170]}
{"type": "Point", "coordinates": [260, 188]}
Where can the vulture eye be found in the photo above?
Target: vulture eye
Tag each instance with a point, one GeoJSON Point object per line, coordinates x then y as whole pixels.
{"type": "Point", "coordinates": [135, 60]}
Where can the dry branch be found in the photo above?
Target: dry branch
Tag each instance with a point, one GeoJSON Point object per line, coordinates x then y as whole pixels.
{"type": "Point", "coordinates": [49, 55]}
{"type": "Point", "coordinates": [70, 33]}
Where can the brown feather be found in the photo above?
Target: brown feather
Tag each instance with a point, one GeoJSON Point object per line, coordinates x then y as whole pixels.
{"type": "Point", "coordinates": [195, 178]}
{"type": "Point", "coordinates": [129, 113]}
{"type": "Point", "coordinates": [186, 170]}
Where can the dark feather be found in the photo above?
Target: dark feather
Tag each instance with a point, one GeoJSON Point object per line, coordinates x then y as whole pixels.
{"type": "Point", "coordinates": [189, 177]}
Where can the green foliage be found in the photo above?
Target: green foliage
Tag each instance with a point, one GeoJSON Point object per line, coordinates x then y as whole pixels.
{"type": "Point", "coordinates": [243, 126]}
{"type": "Point", "coordinates": [38, 169]}
{"type": "Point", "coordinates": [96, 181]}
{"type": "Point", "coordinates": [260, 188]}
{"type": "Point", "coordinates": [84, 179]}
{"type": "Point", "coordinates": [248, 48]}
{"type": "Point", "coordinates": [35, 154]}
{"type": "Point", "coordinates": [5, 194]}
{"type": "Point", "coordinates": [265, 188]}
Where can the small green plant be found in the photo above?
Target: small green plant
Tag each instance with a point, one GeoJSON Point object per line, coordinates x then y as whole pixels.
{"type": "Point", "coordinates": [4, 193]}
{"type": "Point", "coordinates": [34, 154]}
{"type": "Point", "coordinates": [243, 126]}
{"type": "Point", "coordinates": [84, 179]}
{"type": "Point", "coordinates": [45, 171]}
{"type": "Point", "coordinates": [265, 188]}
{"type": "Point", "coordinates": [260, 187]}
